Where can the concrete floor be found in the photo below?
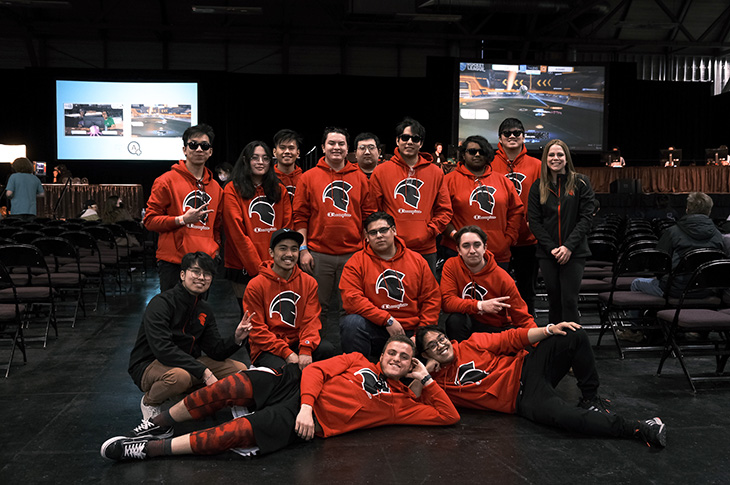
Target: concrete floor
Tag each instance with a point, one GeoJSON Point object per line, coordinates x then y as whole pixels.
{"type": "Point", "coordinates": [60, 406]}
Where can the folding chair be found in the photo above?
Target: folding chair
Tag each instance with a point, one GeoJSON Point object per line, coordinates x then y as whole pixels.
{"type": "Point", "coordinates": [710, 276]}
{"type": "Point", "coordinates": [11, 322]}
{"type": "Point", "coordinates": [32, 279]}
{"type": "Point", "coordinates": [615, 304]}
{"type": "Point", "coordinates": [91, 263]}
{"type": "Point", "coordinates": [109, 249]}
{"type": "Point", "coordinates": [61, 253]}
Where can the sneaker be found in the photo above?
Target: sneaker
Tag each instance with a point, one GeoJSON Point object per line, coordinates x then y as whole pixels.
{"type": "Point", "coordinates": [597, 404]}
{"type": "Point", "coordinates": [123, 448]}
{"type": "Point", "coordinates": [653, 432]}
{"type": "Point", "coordinates": [147, 429]}
{"type": "Point", "coordinates": [148, 412]}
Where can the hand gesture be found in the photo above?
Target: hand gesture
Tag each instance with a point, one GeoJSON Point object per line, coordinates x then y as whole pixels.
{"type": "Point", "coordinates": [244, 327]}
{"type": "Point", "coordinates": [196, 215]}
{"type": "Point", "coordinates": [495, 305]}
{"type": "Point", "coordinates": [418, 370]}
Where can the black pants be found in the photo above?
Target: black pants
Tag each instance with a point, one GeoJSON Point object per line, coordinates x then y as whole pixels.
{"type": "Point", "coordinates": [544, 367]}
{"type": "Point", "coordinates": [524, 267]}
{"type": "Point", "coordinates": [562, 282]}
{"type": "Point", "coordinates": [169, 274]}
{"type": "Point", "coordinates": [460, 327]}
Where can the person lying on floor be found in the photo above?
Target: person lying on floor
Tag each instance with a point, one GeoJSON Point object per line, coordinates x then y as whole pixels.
{"type": "Point", "coordinates": [494, 371]}
{"type": "Point", "coordinates": [327, 398]}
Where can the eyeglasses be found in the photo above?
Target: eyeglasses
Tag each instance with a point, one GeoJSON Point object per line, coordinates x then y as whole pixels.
{"type": "Point", "coordinates": [382, 231]}
{"type": "Point", "coordinates": [475, 151]}
{"type": "Point", "coordinates": [442, 340]}
{"type": "Point", "coordinates": [204, 145]}
{"type": "Point", "coordinates": [199, 273]}
{"type": "Point", "coordinates": [515, 133]}
{"type": "Point", "coordinates": [256, 158]}
{"type": "Point", "coordinates": [406, 138]}
{"type": "Point", "coordinates": [369, 148]}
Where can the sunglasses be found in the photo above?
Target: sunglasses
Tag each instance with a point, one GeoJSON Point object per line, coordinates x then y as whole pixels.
{"type": "Point", "coordinates": [515, 133]}
{"type": "Point", "coordinates": [475, 151]}
{"type": "Point", "coordinates": [193, 145]}
{"type": "Point", "coordinates": [406, 138]}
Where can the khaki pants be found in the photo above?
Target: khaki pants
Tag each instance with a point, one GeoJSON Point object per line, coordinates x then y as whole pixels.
{"type": "Point", "coordinates": [161, 382]}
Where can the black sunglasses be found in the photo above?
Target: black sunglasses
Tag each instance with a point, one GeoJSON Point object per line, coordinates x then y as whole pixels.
{"type": "Point", "coordinates": [475, 151]}
{"type": "Point", "coordinates": [193, 145]}
{"type": "Point", "coordinates": [515, 133]}
{"type": "Point", "coordinates": [406, 138]}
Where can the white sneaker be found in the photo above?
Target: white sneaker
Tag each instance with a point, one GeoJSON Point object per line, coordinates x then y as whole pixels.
{"type": "Point", "coordinates": [148, 412]}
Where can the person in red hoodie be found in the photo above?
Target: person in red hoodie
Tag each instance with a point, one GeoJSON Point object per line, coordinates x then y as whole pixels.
{"type": "Point", "coordinates": [513, 161]}
{"type": "Point", "coordinates": [282, 301]}
{"type": "Point", "coordinates": [256, 205]}
{"type": "Point", "coordinates": [482, 197]}
{"type": "Point", "coordinates": [287, 145]}
{"type": "Point", "coordinates": [332, 200]}
{"type": "Point", "coordinates": [387, 289]}
{"type": "Point", "coordinates": [412, 189]}
{"type": "Point", "coordinates": [183, 207]}
{"type": "Point", "coordinates": [476, 294]}
{"type": "Point", "coordinates": [495, 372]}
{"type": "Point", "coordinates": [343, 393]}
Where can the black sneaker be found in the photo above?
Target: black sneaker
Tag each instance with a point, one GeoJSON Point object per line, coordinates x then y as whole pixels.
{"type": "Point", "coordinates": [653, 432]}
{"type": "Point", "coordinates": [123, 448]}
{"type": "Point", "coordinates": [597, 404]}
{"type": "Point", "coordinates": [147, 429]}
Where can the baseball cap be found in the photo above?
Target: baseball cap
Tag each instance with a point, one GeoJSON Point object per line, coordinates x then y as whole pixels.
{"type": "Point", "coordinates": [285, 234]}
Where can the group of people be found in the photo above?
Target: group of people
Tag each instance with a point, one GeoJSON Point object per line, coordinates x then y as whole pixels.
{"type": "Point", "coordinates": [299, 242]}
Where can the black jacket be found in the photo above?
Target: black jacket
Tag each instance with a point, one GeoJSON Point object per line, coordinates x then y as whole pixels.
{"type": "Point", "coordinates": [564, 220]}
{"type": "Point", "coordinates": [175, 328]}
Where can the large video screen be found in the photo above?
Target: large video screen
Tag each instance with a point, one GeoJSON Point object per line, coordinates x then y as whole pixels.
{"type": "Point", "coordinates": [565, 102]}
{"type": "Point", "coordinates": [123, 121]}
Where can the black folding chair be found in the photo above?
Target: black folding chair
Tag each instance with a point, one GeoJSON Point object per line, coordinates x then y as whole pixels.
{"type": "Point", "coordinates": [62, 254]}
{"type": "Point", "coordinates": [710, 276]}
{"type": "Point", "coordinates": [11, 321]}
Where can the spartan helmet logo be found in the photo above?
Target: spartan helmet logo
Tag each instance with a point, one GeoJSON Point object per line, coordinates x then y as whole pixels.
{"type": "Point", "coordinates": [291, 189]}
{"type": "Point", "coordinates": [285, 304]}
{"type": "Point", "coordinates": [409, 189]}
{"type": "Point", "coordinates": [468, 374]}
{"type": "Point", "coordinates": [484, 196]}
{"type": "Point", "coordinates": [473, 291]}
{"type": "Point", "coordinates": [195, 199]}
{"type": "Point", "coordinates": [261, 206]}
{"type": "Point", "coordinates": [391, 281]}
{"type": "Point", "coordinates": [372, 383]}
{"type": "Point", "coordinates": [337, 192]}
{"type": "Point", "coordinates": [517, 178]}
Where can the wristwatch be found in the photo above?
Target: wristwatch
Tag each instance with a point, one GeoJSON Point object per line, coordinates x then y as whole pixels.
{"type": "Point", "coordinates": [390, 322]}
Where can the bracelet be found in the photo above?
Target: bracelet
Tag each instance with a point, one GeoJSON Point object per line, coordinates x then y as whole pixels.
{"type": "Point", "coordinates": [452, 234]}
{"type": "Point", "coordinates": [303, 247]}
{"type": "Point", "coordinates": [180, 220]}
{"type": "Point", "coordinates": [547, 329]}
{"type": "Point", "coordinates": [425, 380]}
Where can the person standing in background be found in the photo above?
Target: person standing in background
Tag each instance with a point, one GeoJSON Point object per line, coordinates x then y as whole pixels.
{"type": "Point", "coordinates": [23, 188]}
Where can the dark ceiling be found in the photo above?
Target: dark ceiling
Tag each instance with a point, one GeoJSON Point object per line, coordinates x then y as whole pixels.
{"type": "Point", "coordinates": [521, 29]}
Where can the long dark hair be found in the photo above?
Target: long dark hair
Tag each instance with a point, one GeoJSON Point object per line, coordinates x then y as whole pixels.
{"type": "Point", "coordinates": [241, 175]}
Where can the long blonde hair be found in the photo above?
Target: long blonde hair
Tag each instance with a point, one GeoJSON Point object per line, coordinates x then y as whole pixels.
{"type": "Point", "coordinates": [545, 176]}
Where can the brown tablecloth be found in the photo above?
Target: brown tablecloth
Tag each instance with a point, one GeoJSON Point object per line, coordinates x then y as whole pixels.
{"type": "Point", "coordinates": [708, 179]}
{"type": "Point", "coordinates": [73, 202]}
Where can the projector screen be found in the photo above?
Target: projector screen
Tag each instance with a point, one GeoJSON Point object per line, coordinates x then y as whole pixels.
{"type": "Point", "coordinates": [123, 121]}
{"type": "Point", "coordinates": [559, 101]}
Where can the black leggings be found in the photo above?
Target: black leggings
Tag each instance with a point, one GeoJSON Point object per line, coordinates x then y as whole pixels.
{"type": "Point", "coordinates": [562, 282]}
{"type": "Point", "coordinates": [544, 367]}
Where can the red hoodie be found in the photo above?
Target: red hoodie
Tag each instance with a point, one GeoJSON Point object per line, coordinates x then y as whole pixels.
{"type": "Point", "coordinates": [402, 287]}
{"type": "Point", "coordinates": [286, 312]}
{"type": "Point", "coordinates": [523, 172]}
{"type": "Point", "coordinates": [486, 370]}
{"type": "Point", "coordinates": [416, 197]}
{"type": "Point", "coordinates": [489, 201]}
{"type": "Point", "coordinates": [249, 224]}
{"type": "Point", "coordinates": [331, 206]}
{"type": "Point", "coordinates": [290, 180]}
{"type": "Point", "coordinates": [173, 193]}
{"type": "Point", "coordinates": [461, 291]}
{"type": "Point", "coordinates": [347, 392]}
